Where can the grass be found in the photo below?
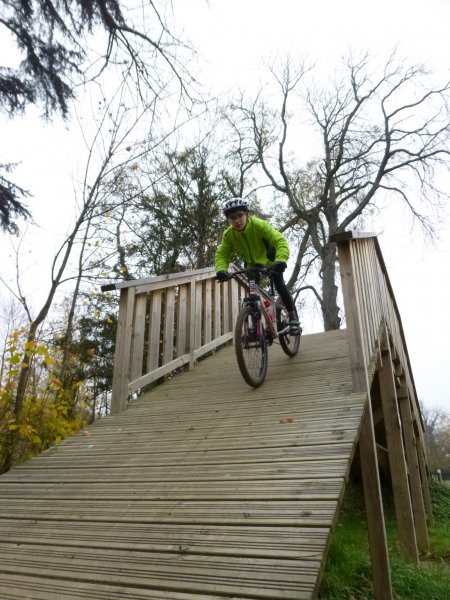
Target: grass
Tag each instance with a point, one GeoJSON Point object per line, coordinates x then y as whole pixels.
{"type": "Point", "coordinates": [347, 574]}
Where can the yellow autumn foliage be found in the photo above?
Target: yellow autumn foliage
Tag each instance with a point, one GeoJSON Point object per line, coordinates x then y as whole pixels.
{"type": "Point", "coordinates": [47, 415]}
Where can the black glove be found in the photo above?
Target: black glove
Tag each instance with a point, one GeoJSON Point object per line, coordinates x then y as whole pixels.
{"type": "Point", "coordinates": [222, 275]}
{"type": "Point", "coordinates": [279, 267]}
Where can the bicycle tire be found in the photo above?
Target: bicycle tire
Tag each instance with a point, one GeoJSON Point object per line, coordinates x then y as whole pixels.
{"type": "Point", "coordinates": [250, 345]}
{"type": "Point", "coordinates": [289, 343]}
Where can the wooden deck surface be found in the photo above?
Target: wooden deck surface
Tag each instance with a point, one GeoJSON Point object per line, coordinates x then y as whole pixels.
{"type": "Point", "coordinates": [202, 489]}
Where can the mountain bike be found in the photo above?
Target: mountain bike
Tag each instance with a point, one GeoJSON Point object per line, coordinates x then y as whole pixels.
{"type": "Point", "coordinates": [262, 319]}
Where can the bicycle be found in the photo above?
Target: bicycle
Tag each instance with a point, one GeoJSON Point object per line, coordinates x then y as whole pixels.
{"type": "Point", "coordinates": [261, 320]}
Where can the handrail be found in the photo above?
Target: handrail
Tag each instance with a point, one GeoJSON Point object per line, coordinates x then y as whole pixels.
{"type": "Point", "coordinates": [370, 308]}
{"type": "Point", "coordinates": [166, 323]}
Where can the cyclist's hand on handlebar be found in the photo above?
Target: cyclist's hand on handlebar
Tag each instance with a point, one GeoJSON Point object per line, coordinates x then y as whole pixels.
{"type": "Point", "coordinates": [222, 276]}
{"type": "Point", "coordinates": [279, 267]}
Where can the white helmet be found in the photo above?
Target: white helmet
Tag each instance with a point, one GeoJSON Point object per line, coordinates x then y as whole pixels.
{"type": "Point", "coordinates": [233, 204]}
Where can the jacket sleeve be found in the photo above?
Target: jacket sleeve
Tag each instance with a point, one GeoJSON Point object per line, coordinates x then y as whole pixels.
{"type": "Point", "coordinates": [224, 253]}
{"type": "Point", "coordinates": [278, 241]}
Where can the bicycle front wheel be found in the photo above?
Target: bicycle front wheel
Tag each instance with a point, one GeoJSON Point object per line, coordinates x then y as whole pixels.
{"type": "Point", "coordinates": [251, 346]}
{"type": "Point", "coordinates": [289, 343]}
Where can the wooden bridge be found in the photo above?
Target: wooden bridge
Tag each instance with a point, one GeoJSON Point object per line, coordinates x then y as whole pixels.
{"type": "Point", "coordinates": [203, 488]}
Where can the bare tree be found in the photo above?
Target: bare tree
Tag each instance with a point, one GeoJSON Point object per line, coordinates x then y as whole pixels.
{"type": "Point", "coordinates": [168, 218]}
{"type": "Point", "coordinates": [61, 45]}
{"type": "Point", "coordinates": [437, 437]}
{"type": "Point", "coordinates": [385, 134]}
{"type": "Point", "coordinates": [107, 155]}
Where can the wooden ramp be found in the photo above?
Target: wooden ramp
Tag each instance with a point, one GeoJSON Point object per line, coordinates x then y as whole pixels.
{"type": "Point", "coordinates": [202, 489]}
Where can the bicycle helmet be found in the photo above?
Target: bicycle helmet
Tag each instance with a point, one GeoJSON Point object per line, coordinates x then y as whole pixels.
{"type": "Point", "coordinates": [233, 204]}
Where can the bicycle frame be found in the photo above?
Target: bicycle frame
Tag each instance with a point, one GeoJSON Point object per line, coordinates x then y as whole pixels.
{"type": "Point", "coordinates": [258, 296]}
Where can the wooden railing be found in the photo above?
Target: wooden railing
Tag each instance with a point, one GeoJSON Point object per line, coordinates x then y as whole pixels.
{"type": "Point", "coordinates": [167, 323]}
{"type": "Point", "coordinates": [371, 310]}
{"type": "Point", "coordinates": [392, 429]}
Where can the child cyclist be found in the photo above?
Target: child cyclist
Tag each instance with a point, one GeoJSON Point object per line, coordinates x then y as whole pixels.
{"type": "Point", "coordinates": [258, 243]}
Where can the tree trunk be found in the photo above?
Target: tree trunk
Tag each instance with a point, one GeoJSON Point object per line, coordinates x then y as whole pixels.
{"type": "Point", "coordinates": [10, 436]}
{"type": "Point", "coordinates": [330, 308]}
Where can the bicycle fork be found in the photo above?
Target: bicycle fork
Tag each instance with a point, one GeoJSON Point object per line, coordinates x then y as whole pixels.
{"type": "Point", "coordinates": [260, 309]}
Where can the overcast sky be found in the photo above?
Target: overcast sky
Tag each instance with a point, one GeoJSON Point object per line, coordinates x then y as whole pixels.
{"type": "Point", "coordinates": [234, 39]}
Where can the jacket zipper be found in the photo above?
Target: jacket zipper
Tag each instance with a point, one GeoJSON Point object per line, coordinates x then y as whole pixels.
{"type": "Point", "coordinates": [248, 247]}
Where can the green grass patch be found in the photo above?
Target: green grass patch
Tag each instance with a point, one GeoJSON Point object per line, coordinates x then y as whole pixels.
{"type": "Point", "coordinates": [348, 573]}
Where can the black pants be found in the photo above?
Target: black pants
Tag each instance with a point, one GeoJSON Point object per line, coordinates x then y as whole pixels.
{"type": "Point", "coordinates": [280, 286]}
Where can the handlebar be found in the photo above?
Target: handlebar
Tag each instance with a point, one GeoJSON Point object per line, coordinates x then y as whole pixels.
{"type": "Point", "coordinates": [260, 270]}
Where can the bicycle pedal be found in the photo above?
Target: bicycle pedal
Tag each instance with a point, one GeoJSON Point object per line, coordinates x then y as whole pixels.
{"type": "Point", "coordinates": [295, 331]}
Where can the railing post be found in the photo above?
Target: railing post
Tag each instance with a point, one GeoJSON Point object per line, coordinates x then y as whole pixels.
{"type": "Point", "coordinates": [373, 499]}
{"type": "Point", "coordinates": [121, 372]}
{"type": "Point", "coordinates": [353, 318]}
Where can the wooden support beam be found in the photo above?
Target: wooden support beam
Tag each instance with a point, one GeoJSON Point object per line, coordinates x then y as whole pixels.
{"type": "Point", "coordinates": [374, 509]}
{"type": "Point", "coordinates": [415, 481]}
{"type": "Point", "coordinates": [424, 475]}
{"type": "Point", "coordinates": [397, 461]}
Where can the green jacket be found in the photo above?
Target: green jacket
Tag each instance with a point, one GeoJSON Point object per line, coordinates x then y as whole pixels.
{"type": "Point", "coordinates": [259, 243]}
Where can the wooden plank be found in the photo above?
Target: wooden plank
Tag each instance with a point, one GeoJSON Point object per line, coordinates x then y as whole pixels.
{"type": "Point", "coordinates": [217, 311]}
{"type": "Point", "coordinates": [319, 488]}
{"type": "Point", "coordinates": [227, 325]}
{"type": "Point", "coordinates": [18, 587]}
{"type": "Point", "coordinates": [269, 542]}
{"type": "Point", "coordinates": [169, 326]}
{"type": "Point", "coordinates": [137, 342]}
{"type": "Point", "coordinates": [213, 345]}
{"type": "Point", "coordinates": [315, 513]}
{"type": "Point", "coordinates": [98, 458]}
{"type": "Point", "coordinates": [173, 279]}
{"type": "Point", "coordinates": [183, 572]}
{"type": "Point", "coordinates": [191, 322]}
{"type": "Point", "coordinates": [154, 332]}
{"type": "Point", "coordinates": [207, 312]}
{"type": "Point", "coordinates": [198, 314]}
{"type": "Point", "coordinates": [182, 320]}
{"type": "Point", "coordinates": [166, 369]}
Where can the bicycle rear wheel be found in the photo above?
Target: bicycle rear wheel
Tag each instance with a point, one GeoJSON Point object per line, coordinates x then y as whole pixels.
{"type": "Point", "coordinates": [251, 346]}
{"type": "Point", "coordinates": [289, 343]}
